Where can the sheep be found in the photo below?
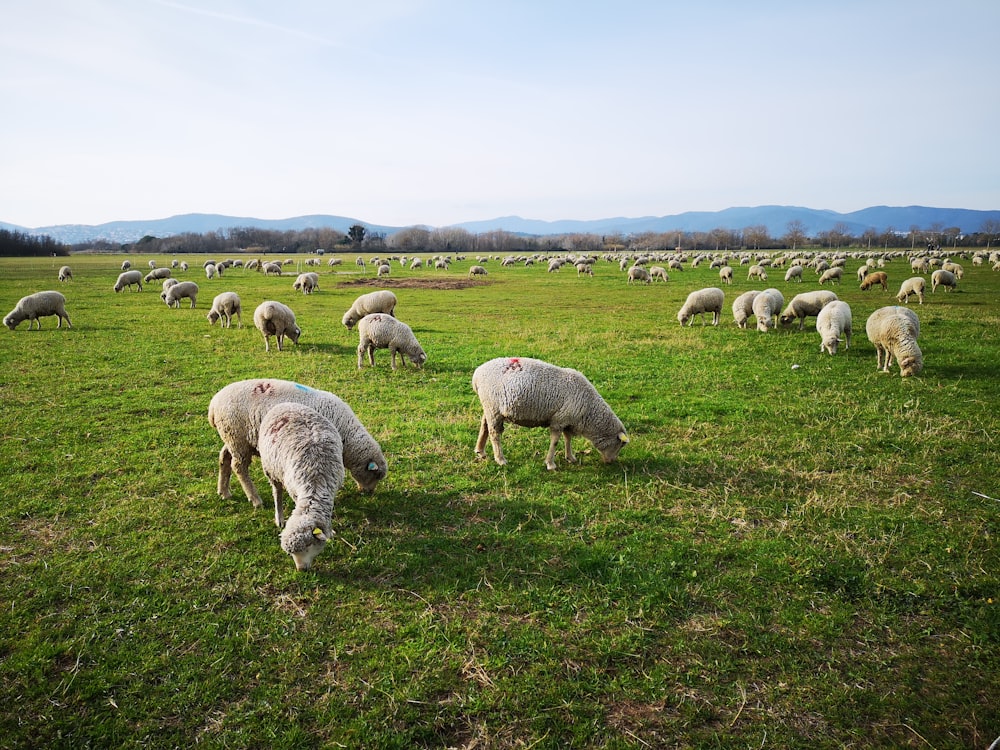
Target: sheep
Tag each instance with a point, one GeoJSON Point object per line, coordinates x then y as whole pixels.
{"type": "Point", "coordinates": [955, 268]}
{"type": "Point", "coordinates": [726, 274]}
{"type": "Point", "coordinates": [757, 272]}
{"type": "Point", "coordinates": [65, 273]}
{"type": "Point", "coordinates": [306, 282]}
{"type": "Point", "coordinates": [743, 307]}
{"type": "Point", "coordinates": [301, 452]}
{"type": "Point", "coordinates": [211, 270]}
{"type": "Point", "coordinates": [177, 292]}
{"type": "Point", "coordinates": [126, 265]}
{"type": "Point", "coordinates": [533, 393]}
{"type": "Point", "coordinates": [701, 301]}
{"type": "Point", "coordinates": [805, 304]}
{"type": "Point", "coordinates": [237, 410]}
{"type": "Point", "coordinates": [834, 321]}
{"type": "Point", "coordinates": [794, 273]}
{"type": "Point", "coordinates": [271, 269]}
{"type": "Point", "coordinates": [167, 283]}
{"type": "Point", "coordinates": [477, 271]}
{"type": "Point", "coordinates": [863, 271]}
{"type": "Point", "coordinates": [943, 278]}
{"type": "Point", "coordinates": [894, 331]}
{"type": "Point", "coordinates": [766, 307]}
{"type": "Point", "coordinates": [831, 275]}
{"type": "Point", "coordinates": [152, 265]}
{"type": "Point", "coordinates": [385, 269]}
{"type": "Point", "coordinates": [914, 285]}
{"type": "Point", "coordinates": [224, 307]}
{"type": "Point", "coordinates": [381, 331]}
{"type": "Point", "coordinates": [127, 278]}
{"type": "Point", "coordinates": [657, 272]}
{"type": "Point", "coordinates": [877, 278]}
{"type": "Point", "coordinates": [275, 319]}
{"type": "Point", "coordinates": [382, 301]}
{"type": "Point", "coordinates": [638, 273]}
{"type": "Point", "coordinates": [156, 274]}
{"type": "Point", "coordinates": [35, 306]}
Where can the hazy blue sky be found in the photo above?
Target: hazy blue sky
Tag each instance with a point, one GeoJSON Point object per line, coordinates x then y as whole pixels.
{"type": "Point", "coordinates": [438, 111]}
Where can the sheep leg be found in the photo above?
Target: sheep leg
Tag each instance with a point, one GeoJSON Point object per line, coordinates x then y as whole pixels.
{"type": "Point", "coordinates": [267, 343]}
{"type": "Point", "coordinates": [280, 338]}
{"type": "Point", "coordinates": [361, 355]}
{"type": "Point", "coordinates": [484, 432]}
{"type": "Point", "coordinates": [371, 354]}
{"type": "Point", "coordinates": [550, 457]}
{"type": "Point", "coordinates": [493, 430]}
{"type": "Point", "coordinates": [242, 468]}
{"type": "Point", "coordinates": [569, 449]}
{"type": "Point", "coordinates": [225, 473]}
{"type": "Point", "coordinates": [393, 360]}
{"type": "Point", "coordinates": [277, 490]}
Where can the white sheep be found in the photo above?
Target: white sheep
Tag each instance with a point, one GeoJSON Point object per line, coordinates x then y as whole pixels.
{"type": "Point", "coordinates": [766, 307]}
{"type": "Point", "coordinates": [385, 269]}
{"type": "Point", "coordinates": [794, 273]}
{"type": "Point", "coordinates": [224, 307]}
{"type": "Point", "coordinates": [656, 272]}
{"type": "Point", "coordinates": [237, 410]}
{"type": "Point", "coordinates": [157, 274]}
{"type": "Point", "coordinates": [743, 307]}
{"type": "Point", "coordinates": [701, 301]}
{"type": "Point", "coordinates": [65, 273]}
{"type": "Point", "coordinates": [167, 283]}
{"type": "Point", "coordinates": [276, 319]}
{"type": "Point", "coordinates": [271, 269]}
{"type": "Point", "coordinates": [382, 301]}
{"type": "Point", "coordinates": [894, 331]}
{"type": "Point", "coordinates": [945, 279]}
{"type": "Point", "coordinates": [726, 274]}
{"type": "Point", "coordinates": [805, 304]}
{"type": "Point", "coordinates": [954, 268]}
{"type": "Point", "coordinates": [477, 271]}
{"type": "Point", "coordinates": [301, 453]}
{"type": "Point", "coordinates": [173, 295]}
{"type": "Point", "coordinates": [306, 282]}
{"type": "Point", "coordinates": [757, 272]}
{"type": "Point", "coordinates": [127, 278]}
{"type": "Point", "coordinates": [638, 273]}
{"type": "Point", "coordinates": [211, 270]}
{"type": "Point", "coordinates": [832, 323]}
{"type": "Point", "coordinates": [382, 331]}
{"type": "Point", "coordinates": [832, 275]}
{"type": "Point", "coordinates": [914, 285]}
{"type": "Point", "coordinates": [533, 393]}
{"type": "Point", "coordinates": [126, 265]}
{"type": "Point", "coordinates": [35, 306]}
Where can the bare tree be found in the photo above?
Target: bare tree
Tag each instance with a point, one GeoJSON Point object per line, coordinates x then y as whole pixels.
{"type": "Point", "coordinates": [795, 233]}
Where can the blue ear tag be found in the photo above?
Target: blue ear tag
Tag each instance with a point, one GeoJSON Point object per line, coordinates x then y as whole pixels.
{"type": "Point", "coordinates": [372, 466]}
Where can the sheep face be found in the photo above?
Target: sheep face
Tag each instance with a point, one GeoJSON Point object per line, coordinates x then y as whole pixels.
{"type": "Point", "coordinates": [304, 540]}
{"type": "Point", "coordinates": [610, 446]}
{"type": "Point", "coordinates": [11, 320]}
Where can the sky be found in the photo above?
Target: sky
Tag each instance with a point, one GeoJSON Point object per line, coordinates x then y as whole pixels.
{"type": "Point", "coordinates": [435, 112]}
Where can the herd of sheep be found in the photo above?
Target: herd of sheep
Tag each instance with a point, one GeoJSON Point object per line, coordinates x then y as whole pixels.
{"type": "Point", "coordinates": [308, 439]}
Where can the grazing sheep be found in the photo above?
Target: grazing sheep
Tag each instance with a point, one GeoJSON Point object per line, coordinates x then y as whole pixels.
{"type": "Point", "coordinates": [954, 268]}
{"type": "Point", "coordinates": [306, 282]}
{"type": "Point", "coordinates": [271, 269]}
{"type": "Point", "coordinates": [864, 271]}
{"type": "Point", "coordinates": [157, 273]}
{"type": "Point", "coordinates": [35, 306]}
{"type": "Point", "coordinates": [127, 278]}
{"type": "Point", "coordinates": [224, 307]}
{"type": "Point", "coordinates": [382, 331]}
{"type": "Point", "coordinates": [184, 265]}
{"type": "Point", "coordinates": [943, 278]}
{"type": "Point", "coordinates": [237, 410]}
{"type": "Point", "coordinates": [477, 271]}
{"type": "Point", "coordinates": [726, 274]}
{"type": "Point", "coordinates": [766, 307]}
{"type": "Point", "coordinates": [416, 263]}
{"type": "Point", "coordinates": [656, 272]}
{"type": "Point", "coordinates": [701, 301]}
{"type": "Point", "coordinates": [382, 301]}
{"type": "Point", "coordinates": [832, 275]}
{"type": "Point", "coordinates": [914, 285]}
{"type": "Point", "coordinates": [794, 273]}
{"type": "Point", "coordinates": [211, 270]}
{"type": "Point", "coordinates": [638, 273]}
{"type": "Point", "coordinates": [805, 304]}
{"type": "Point", "coordinates": [177, 292]}
{"type": "Point", "coordinates": [533, 393]}
{"type": "Point", "coordinates": [834, 321]}
{"type": "Point", "coordinates": [126, 265]}
{"type": "Point", "coordinates": [757, 272]}
{"type": "Point", "coordinates": [743, 307]}
{"type": "Point", "coordinates": [275, 319]}
{"type": "Point", "coordinates": [65, 273]}
{"type": "Point", "coordinates": [894, 331]}
{"type": "Point", "coordinates": [385, 269]}
{"type": "Point", "coordinates": [167, 283]}
{"type": "Point", "coordinates": [301, 452]}
{"type": "Point", "coordinates": [152, 265]}
{"type": "Point", "coordinates": [878, 278]}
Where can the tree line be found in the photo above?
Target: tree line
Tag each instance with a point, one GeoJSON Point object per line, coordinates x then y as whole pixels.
{"type": "Point", "coordinates": [452, 240]}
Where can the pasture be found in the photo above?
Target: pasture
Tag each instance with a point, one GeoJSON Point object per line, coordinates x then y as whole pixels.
{"type": "Point", "coordinates": [793, 551]}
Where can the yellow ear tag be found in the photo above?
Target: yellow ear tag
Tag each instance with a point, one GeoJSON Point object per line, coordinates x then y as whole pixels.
{"type": "Point", "coordinates": [318, 533]}
{"type": "Point", "coordinates": [623, 437]}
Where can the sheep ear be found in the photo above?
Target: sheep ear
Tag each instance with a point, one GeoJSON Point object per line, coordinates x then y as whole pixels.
{"type": "Point", "coordinates": [623, 437]}
{"type": "Point", "coordinates": [318, 533]}
{"type": "Point", "coordinates": [373, 466]}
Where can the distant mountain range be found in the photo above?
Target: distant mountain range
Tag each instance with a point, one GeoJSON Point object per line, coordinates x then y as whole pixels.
{"type": "Point", "coordinates": [775, 218]}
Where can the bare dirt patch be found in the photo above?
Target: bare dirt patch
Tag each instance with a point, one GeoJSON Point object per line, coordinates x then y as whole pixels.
{"type": "Point", "coordinates": [415, 283]}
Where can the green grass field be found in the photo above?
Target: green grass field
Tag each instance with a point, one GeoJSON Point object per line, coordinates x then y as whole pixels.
{"type": "Point", "coordinates": [788, 557]}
